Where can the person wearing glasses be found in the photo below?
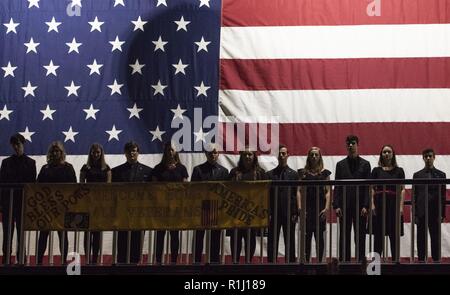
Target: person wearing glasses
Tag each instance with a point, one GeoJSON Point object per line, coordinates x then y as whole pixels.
{"type": "Point", "coordinates": [209, 171]}
{"type": "Point", "coordinates": [130, 171]}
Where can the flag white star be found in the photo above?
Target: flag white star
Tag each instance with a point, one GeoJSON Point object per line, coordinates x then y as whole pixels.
{"type": "Point", "coordinates": [96, 25]}
{"type": "Point", "coordinates": [161, 2]}
{"type": "Point", "coordinates": [137, 68]}
{"type": "Point", "coordinates": [182, 24]}
{"type": "Point", "coordinates": [73, 46]}
{"type": "Point", "coordinates": [9, 70]}
{"type": "Point", "coordinates": [48, 113]}
{"type": "Point", "coordinates": [200, 135]}
{"type": "Point", "coordinates": [178, 112]}
{"type": "Point", "coordinates": [90, 112]}
{"type": "Point", "coordinates": [27, 134]}
{"type": "Point", "coordinates": [179, 68]}
{"type": "Point", "coordinates": [117, 44]}
{"type": "Point", "coordinates": [119, 2]}
{"type": "Point", "coordinates": [4, 114]}
{"type": "Point", "coordinates": [159, 88]}
{"type": "Point", "coordinates": [134, 111]}
{"type": "Point", "coordinates": [70, 134]}
{"type": "Point", "coordinates": [157, 134]}
{"type": "Point", "coordinates": [113, 133]}
{"type": "Point", "coordinates": [159, 44]}
{"type": "Point", "coordinates": [204, 3]}
{"type": "Point", "coordinates": [76, 3]}
{"type": "Point", "coordinates": [31, 46]}
{"type": "Point", "coordinates": [53, 25]}
{"type": "Point", "coordinates": [72, 89]}
{"type": "Point", "coordinates": [202, 45]}
{"type": "Point", "coordinates": [11, 26]}
{"type": "Point", "coordinates": [32, 3]}
{"type": "Point", "coordinates": [51, 68]}
{"type": "Point", "coordinates": [139, 24]}
{"type": "Point", "coordinates": [95, 68]}
{"type": "Point", "coordinates": [29, 90]}
{"type": "Point", "coordinates": [202, 89]}
{"type": "Point", "coordinates": [115, 87]}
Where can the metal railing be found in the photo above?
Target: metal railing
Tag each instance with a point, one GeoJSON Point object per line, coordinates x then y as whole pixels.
{"type": "Point", "coordinates": [332, 236]}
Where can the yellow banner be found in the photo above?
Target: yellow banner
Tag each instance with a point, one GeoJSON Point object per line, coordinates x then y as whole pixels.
{"type": "Point", "coordinates": [189, 205]}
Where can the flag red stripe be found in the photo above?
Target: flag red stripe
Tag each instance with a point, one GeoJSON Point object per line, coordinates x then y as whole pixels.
{"type": "Point", "coordinates": [332, 12]}
{"type": "Point", "coordinates": [321, 74]}
{"type": "Point", "coordinates": [407, 138]}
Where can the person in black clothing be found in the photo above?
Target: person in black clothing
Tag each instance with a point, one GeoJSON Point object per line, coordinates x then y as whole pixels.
{"type": "Point", "coordinates": [17, 168]}
{"type": "Point", "coordinates": [316, 216]}
{"type": "Point", "coordinates": [352, 167]}
{"type": "Point", "coordinates": [169, 169]}
{"type": "Point", "coordinates": [209, 171]}
{"type": "Point", "coordinates": [131, 171]}
{"type": "Point", "coordinates": [287, 207]}
{"type": "Point", "coordinates": [57, 170]}
{"type": "Point", "coordinates": [434, 222]}
{"type": "Point", "coordinates": [387, 169]}
{"type": "Point", "coordinates": [247, 169]}
{"type": "Point", "coordinates": [95, 170]}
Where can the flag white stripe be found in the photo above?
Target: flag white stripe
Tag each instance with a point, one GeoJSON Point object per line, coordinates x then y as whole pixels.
{"type": "Point", "coordinates": [336, 106]}
{"type": "Point", "coordinates": [367, 41]}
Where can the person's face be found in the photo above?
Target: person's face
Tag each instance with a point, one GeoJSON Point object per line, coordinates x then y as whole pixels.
{"type": "Point", "coordinates": [248, 158]}
{"type": "Point", "coordinates": [170, 152]}
{"type": "Point", "coordinates": [283, 156]}
{"type": "Point", "coordinates": [18, 148]}
{"type": "Point", "coordinates": [387, 155]}
{"type": "Point", "coordinates": [212, 156]}
{"type": "Point", "coordinates": [314, 155]}
{"type": "Point", "coordinates": [132, 155]}
{"type": "Point", "coordinates": [56, 155]}
{"type": "Point", "coordinates": [96, 154]}
{"type": "Point", "coordinates": [429, 160]}
{"type": "Point", "coordinates": [352, 147]}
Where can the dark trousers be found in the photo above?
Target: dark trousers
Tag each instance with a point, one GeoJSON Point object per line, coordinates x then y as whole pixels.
{"type": "Point", "coordinates": [379, 239]}
{"type": "Point", "coordinates": [16, 219]}
{"type": "Point", "coordinates": [135, 246]}
{"type": "Point", "coordinates": [214, 246]}
{"type": "Point", "coordinates": [319, 239]}
{"type": "Point", "coordinates": [174, 245]}
{"type": "Point", "coordinates": [95, 246]}
{"type": "Point", "coordinates": [42, 245]}
{"type": "Point", "coordinates": [236, 243]}
{"type": "Point", "coordinates": [272, 243]}
{"type": "Point", "coordinates": [433, 228]}
{"type": "Point", "coordinates": [350, 219]}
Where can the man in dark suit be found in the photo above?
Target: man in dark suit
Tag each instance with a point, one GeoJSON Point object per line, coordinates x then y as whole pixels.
{"type": "Point", "coordinates": [209, 171]}
{"type": "Point", "coordinates": [436, 198]}
{"type": "Point", "coordinates": [17, 168]}
{"type": "Point", "coordinates": [287, 208]}
{"type": "Point", "coordinates": [131, 171]}
{"type": "Point", "coordinates": [352, 167]}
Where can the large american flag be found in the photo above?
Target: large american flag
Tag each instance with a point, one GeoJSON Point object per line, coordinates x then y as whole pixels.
{"type": "Point", "coordinates": [110, 71]}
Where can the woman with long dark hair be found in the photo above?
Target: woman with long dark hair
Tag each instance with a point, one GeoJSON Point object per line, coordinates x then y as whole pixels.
{"type": "Point", "coordinates": [387, 169]}
{"type": "Point", "coordinates": [248, 169]}
{"type": "Point", "coordinates": [95, 170]}
{"type": "Point", "coordinates": [169, 169]}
